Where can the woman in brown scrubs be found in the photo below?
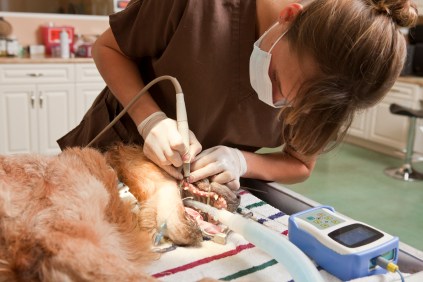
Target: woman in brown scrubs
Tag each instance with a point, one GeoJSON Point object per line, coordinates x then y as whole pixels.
{"type": "Point", "coordinates": [255, 73]}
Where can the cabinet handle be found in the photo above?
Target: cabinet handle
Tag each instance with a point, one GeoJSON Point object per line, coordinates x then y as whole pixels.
{"type": "Point", "coordinates": [41, 100]}
{"type": "Point", "coordinates": [34, 74]}
{"type": "Point", "coordinates": [395, 90]}
{"type": "Point", "coordinates": [32, 99]}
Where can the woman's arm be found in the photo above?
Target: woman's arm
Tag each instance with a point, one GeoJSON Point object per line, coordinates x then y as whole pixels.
{"type": "Point", "coordinates": [226, 165]}
{"type": "Point", "coordinates": [122, 76]}
{"type": "Point", "coordinates": [286, 167]}
{"type": "Point", "coordinates": [163, 143]}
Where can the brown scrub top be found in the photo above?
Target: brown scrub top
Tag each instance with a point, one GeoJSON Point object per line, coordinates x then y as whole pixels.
{"type": "Point", "coordinates": [206, 45]}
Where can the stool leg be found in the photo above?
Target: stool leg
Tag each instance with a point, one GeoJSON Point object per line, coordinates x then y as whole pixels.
{"type": "Point", "coordinates": [406, 171]}
{"type": "Point", "coordinates": [410, 141]}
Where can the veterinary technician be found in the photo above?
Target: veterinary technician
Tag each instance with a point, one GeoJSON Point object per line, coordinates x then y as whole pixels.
{"type": "Point", "coordinates": [255, 73]}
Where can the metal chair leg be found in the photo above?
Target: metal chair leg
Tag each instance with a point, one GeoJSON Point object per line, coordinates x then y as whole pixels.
{"type": "Point", "coordinates": [406, 171]}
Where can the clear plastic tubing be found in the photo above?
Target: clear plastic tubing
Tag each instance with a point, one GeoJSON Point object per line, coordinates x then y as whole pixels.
{"type": "Point", "coordinates": [295, 261]}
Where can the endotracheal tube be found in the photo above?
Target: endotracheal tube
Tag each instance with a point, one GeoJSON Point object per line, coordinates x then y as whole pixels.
{"type": "Point", "coordinates": [300, 268]}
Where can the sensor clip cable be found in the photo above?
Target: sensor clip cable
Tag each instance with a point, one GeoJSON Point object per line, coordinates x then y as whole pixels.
{"type": "Point", "coordinates": [390, 266]}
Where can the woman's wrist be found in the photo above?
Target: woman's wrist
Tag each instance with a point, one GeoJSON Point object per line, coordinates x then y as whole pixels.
{"type": "Point", "coordinates": [147, 124]}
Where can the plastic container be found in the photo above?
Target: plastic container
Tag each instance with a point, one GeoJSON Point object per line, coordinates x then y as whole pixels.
{"type": "Point", "coordinates": [84, 51]}
{"type": "Point", "coordinates": [77, 41]}
{"type": "Point", "coordinates": [50, 35]}
{"type": "Point", "coordinates": [12, 47]}
{"type": "Point", "coordinates": [3, 46]}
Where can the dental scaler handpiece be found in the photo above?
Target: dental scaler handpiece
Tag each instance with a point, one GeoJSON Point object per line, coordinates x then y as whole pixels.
{"type": "Point", "coordinates": [182, 121]}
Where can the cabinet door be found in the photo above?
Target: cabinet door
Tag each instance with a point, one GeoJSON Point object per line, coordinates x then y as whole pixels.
{"type": "Point", "coordinates": [18, 130]}
{"type": "Point", "coordinates": [378, 125]}
{"type": "Point", "coordinates": [359, 127]}
{"type": "Point", "coordinates": [85, 96]}
{"type": "Point", "coordinates": [387, 128]}
{"type": "Point", "coordinates": [56, 114]}
{"type": "Point", "coordinates": [419, 4]}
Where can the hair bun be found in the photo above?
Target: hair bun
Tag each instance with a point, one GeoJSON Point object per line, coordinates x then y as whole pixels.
{"type": "Point", "coordinates": [403, 12]}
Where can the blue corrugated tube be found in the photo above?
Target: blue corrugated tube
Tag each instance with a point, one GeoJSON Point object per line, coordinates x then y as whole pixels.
{"type": "Point", "coordinates": [295, 261]}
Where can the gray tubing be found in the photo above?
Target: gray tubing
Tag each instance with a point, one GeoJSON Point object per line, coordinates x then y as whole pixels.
{"type": "Point", "coordinates": [295, 261]}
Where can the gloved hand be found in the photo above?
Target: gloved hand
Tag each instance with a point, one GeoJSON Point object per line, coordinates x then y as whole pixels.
{"type": "Point", "coordinates": [225, 165]}
{"type": "Point", "coordinates": [164, 145]}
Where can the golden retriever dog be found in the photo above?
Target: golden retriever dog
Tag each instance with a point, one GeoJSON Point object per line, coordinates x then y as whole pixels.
{"type": "Point", "coordinates": [61, 217]}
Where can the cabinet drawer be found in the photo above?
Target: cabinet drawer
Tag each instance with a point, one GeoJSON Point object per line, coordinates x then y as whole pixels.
{"type": "Point", "coordinates": [35, 73]}
{"type": "Point", "coordinates": [87, 73]}
{"type": "Point", "coordinates": [405, 91]}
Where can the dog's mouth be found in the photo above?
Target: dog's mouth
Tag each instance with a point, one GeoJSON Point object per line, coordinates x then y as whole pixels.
{"type": "Point", "coordinates": [211, 193]}
{"type": "Point", "coordinates": [215, 195]}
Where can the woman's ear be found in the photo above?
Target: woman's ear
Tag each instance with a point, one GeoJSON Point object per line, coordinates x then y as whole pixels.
{"type": "Point", "coordinates": [290, 12]}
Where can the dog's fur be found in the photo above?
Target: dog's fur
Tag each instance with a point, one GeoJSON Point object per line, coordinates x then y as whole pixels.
{"type": "Point", "coordinates": [61, 218]}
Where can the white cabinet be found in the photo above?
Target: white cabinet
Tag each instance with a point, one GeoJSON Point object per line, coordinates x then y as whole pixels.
{"type": "Point", "coordinates": [34, 116]}
{"type": "Point", "coordinates": [419, 4]}
{"type": "Point", "coordinates": [387, 128]}
{"type": "Point", "coordinates": [89, 84]}
{"type": "Point", "coordinates": [56, 115]}
{"type": "Point", "coordinates": [39, 103]}
{"type": "Point", "coordinates": [359, 127]}
{"type": "Point", "coordinates": [17, 119]}
{"type": "Point", "coordinates": [378, 126]}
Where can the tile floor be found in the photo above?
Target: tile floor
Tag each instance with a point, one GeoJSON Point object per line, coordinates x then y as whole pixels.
{"type": "Point", "coordinates": [351, 179]}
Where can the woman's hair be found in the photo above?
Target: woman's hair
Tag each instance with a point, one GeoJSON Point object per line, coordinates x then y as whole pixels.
{"type": "Point", "coordinates": [359, 50]}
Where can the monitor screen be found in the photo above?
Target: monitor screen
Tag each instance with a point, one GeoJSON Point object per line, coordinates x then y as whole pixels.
{"type": "Point", "coordinates": [355, 235]}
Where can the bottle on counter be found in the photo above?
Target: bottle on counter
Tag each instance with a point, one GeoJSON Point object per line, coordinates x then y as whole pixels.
{"type": "Point", "coordinates": [78, 41]}
{"type": "Point", "coordinates": [3, 46]}
{"type": "Point", "coordinates": [12, 47]}
{"type": "Point", "coordinates": [64, 44]}
{"type": "Point", "coordinates": [5, 32]}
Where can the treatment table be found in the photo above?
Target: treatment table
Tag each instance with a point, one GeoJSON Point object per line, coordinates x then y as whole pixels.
{"type": "Point", "coordinates": [240, 260]}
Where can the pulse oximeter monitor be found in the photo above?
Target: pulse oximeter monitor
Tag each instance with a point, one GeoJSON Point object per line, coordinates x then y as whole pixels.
{"type": "Point", "coordinates": [342, 246]}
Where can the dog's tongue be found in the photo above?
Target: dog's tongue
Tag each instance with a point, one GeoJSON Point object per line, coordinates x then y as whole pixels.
{"type": "Point", "coordinates": [204, 225]}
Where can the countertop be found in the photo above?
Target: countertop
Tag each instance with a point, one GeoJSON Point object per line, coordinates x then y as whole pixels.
{"type": "Point", "coordinates": [44, 60]}
{"type": "Point", "coordinates": [412, 79]}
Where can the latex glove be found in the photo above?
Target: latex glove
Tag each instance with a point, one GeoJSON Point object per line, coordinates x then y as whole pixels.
{"type": "Point", "coordinates": [164, 145]}
{"type": "Point", "coordinates": [223, 164]}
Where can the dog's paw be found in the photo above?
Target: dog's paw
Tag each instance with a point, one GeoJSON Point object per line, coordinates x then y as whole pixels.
{"type": "Point", "coordinates": [165, 208]}
{"type": "Point", "coordinates": [181, 229]}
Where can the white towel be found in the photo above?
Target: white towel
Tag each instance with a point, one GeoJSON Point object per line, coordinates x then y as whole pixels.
{"type": "Point", "coordinates": [238, 260]}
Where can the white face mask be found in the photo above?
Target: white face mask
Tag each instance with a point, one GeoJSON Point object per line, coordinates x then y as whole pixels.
{"type": "Point", "coordinates": [259, 72]}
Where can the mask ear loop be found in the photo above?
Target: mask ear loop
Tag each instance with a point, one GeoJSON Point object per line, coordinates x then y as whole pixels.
{"type": "Point", "coordinates": [282, 102]}
{"type": "Point", "coordinates": [277, 40]}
